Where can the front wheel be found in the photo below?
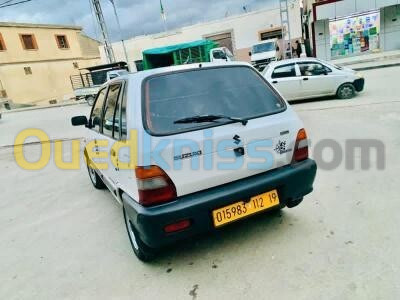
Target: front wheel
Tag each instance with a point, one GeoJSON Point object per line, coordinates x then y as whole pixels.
{"type": "Point", "coordinates": [141, 250]}
{"type": "Point", "coordinates": [95, 178]}
{"type": "Point", "coordinates": [346, 91]}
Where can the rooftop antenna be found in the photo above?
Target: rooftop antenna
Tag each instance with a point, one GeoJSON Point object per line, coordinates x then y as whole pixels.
{"type": "Point", "coordinates": [104, 32]}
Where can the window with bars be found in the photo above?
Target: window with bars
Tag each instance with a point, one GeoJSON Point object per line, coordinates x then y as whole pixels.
{"type": "Point", "coordinates": [62, 41]}
{"type": "Point", "coordinates": [28, 41]}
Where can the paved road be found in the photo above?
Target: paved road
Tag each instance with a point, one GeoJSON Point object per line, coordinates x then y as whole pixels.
{"type": "Point", "coordinates": [60, 238]}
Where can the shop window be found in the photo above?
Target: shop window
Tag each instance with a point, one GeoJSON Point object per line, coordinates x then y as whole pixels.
{"type": "Point", "coordinates": [355, 35]}
{"type": "Point", "coordinates": [28, 70]}
{"type": "Point", "coordinates": [2, 44]}
{"type": "Point", "coordinates": [28, 41]}
{"type": "Point", "coordinates": [62, 41]}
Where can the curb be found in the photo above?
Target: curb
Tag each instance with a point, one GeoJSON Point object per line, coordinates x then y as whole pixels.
{"type": "Point", "coordinates": [376, 67]}
{"type": "Point", "coordinates": [42, 107]}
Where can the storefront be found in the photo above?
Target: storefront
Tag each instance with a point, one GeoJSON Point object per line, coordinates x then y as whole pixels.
{"type": "Point", "coordinates": [354, 35]}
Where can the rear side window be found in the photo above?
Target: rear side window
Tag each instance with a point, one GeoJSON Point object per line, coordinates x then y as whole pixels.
{"type": "Point", "coordinates": [109, 124]}
{"type": "Point", "coordinates": [284, 71]}
{"type": "Point", "coordinates": [313, 69]}
{"type": "Point", "coordinates": [95, 117]}
{"type": "Point", "coordinates": [238, 92]}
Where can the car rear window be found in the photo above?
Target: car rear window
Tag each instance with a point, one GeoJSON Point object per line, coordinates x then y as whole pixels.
{"type": "Point", "coordinates": [237, 91]}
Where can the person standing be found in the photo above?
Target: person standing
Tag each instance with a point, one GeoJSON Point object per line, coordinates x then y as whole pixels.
{"type": "Point", "coordinates": [299, 51]}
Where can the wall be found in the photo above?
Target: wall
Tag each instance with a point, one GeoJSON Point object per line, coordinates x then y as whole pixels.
{"type": "Point", "coordinates": [245, 30]}
{"type": "Point", "coordinates": [51, 67]}
{"type": "Point", "coordinates": [49, 80]}
{"type": "Point", "coordinates": [389, 32]}
{"type": "Point", "coordinates": [347, 7]}
{"type": "Point", "coordinates": [47, 45]}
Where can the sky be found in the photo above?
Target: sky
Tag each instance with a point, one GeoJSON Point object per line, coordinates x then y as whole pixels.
{"type": "Point", "coordinates": [137, 17]}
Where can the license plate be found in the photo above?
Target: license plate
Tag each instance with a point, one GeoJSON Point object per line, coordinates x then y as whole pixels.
{"type": "Point", "coordinates": [243, 209]}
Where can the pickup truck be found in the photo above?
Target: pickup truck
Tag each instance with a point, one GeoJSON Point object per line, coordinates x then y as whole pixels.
{"type": "Point", "coordinates": [87, 84]}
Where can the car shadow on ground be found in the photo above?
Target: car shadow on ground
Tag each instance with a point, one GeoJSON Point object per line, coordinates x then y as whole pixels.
{"type": "Point", "coordinates": [321, 99]}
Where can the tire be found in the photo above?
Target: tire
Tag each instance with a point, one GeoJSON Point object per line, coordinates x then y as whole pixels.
{"type": "Point", "coordinates": [141, 250]}
{"type": "Point", "coordinates": [346, 91]}
{"type": "Point", "coordinates": [90, 100]}
{"type": "Point", "coordinates": [95, 178]}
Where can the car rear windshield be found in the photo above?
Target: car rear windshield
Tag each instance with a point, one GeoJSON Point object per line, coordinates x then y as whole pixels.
{"type": "Point", "coordinates": [237, 92]}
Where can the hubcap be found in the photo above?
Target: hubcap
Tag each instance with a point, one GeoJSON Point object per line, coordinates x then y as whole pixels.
{"type": "Point", "coordinates": [347, 92]}
{"type": "Point", "coordinates": [130, 231]}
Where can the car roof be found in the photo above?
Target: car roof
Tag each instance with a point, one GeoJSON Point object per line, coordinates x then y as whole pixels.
{"type": "Point", "coordinates": [293, 60]}
{"type": "Point", "coordinates": [144, 74]}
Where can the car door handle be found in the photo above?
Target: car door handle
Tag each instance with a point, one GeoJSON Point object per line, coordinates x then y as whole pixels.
{"type": "Point", "coordinates": [274, 82]}
{"type": "Point", "coordinates": [305, 79]}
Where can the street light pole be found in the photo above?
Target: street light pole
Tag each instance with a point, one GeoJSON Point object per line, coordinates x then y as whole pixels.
{"type": "Point", "coordinates": [120, 31]}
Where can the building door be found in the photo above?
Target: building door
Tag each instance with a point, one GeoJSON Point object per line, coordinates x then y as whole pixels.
{"type": "Point", "coordinates": [223, 39]}
{"type": "Point", "coordinates": [391, 23]}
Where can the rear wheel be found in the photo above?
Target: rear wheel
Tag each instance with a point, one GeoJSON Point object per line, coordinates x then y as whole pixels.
{"type": "Point", "coordinates": [141, 250]}
{"type": "Point", "coordinates": [95, 178]}
{"type": "Point", "coordinates": [346, 91]}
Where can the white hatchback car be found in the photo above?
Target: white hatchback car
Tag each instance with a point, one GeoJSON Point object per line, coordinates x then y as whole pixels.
{"type": "Point", "coordinates": [305, 78]}
{"type": "Point", "coordinates": [190, 149]}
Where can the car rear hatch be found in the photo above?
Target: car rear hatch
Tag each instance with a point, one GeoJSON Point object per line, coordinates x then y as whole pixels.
{"type": "Point", "coordinates": [204, 154]}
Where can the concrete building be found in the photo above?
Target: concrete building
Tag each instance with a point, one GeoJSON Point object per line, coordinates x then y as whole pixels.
{"type": "Point", "coordinates": [36, 60]}
{"type": "Point", "coordinates": [239, 33]}
{"type": "Point", "coordinates": [343, 28]}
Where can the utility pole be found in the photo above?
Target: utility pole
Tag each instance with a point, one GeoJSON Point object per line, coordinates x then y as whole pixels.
{"type": "Point", "coordinates": [283, 6]}
{"type": "Point", "coordinates": [120, 31]}
{"type": "Point", "coordinates": [102, 24]}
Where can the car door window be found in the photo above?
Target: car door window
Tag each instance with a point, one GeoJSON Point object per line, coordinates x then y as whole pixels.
{"type": "Point", "coordinates": [284, 71]}
{"type": "Point", "coordinates": [95, 117]}
{"type": "Point", "coordinates": [313, 69]}
{"type": "Point", "coordinates": [109, 110]}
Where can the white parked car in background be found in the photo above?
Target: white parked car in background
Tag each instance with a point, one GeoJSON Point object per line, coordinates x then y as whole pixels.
{"type": "Point", "coordinates": [305, 78]}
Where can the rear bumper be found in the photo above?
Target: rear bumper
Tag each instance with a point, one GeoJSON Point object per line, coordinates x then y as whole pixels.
{"type": "Point", "coordinates": [359, 84]}
{"type": "Point", "coordinates": [292, 182]}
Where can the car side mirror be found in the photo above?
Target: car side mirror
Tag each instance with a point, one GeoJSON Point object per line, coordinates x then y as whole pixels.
{"type": "Point", "coordinates": [79, 121]}
{"type": "Point", "coordinates": [249, 53]}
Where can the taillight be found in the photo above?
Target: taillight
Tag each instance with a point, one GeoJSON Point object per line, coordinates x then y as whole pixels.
{"type": "Point", "coordinates": [154, 186]}
{"type": "Point", "coordinates": [301, 146]}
